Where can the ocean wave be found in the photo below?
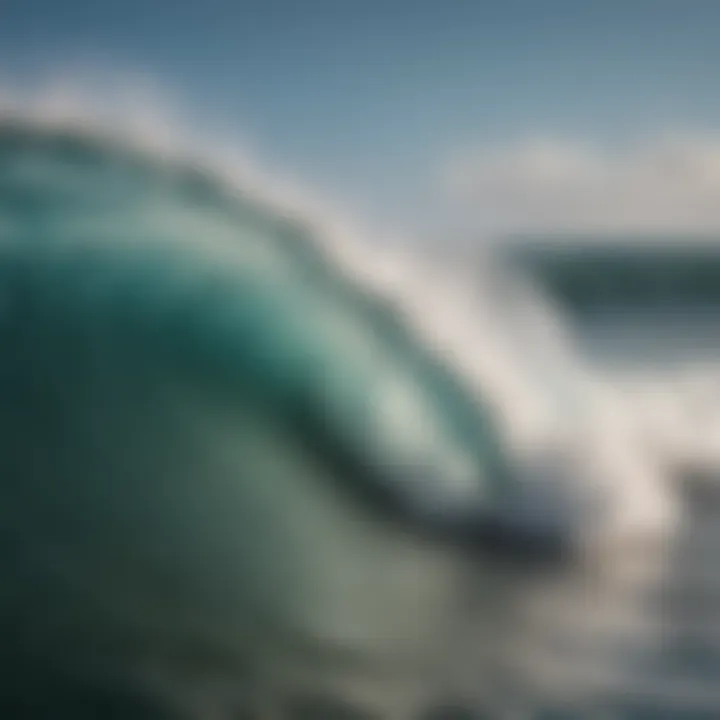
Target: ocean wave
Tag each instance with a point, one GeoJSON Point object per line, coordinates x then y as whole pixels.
{"type": "Point", "coordinates": [195, 379]}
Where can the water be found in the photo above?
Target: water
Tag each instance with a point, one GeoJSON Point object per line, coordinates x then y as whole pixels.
{"type": "Point", "coordinates": [247, 472]}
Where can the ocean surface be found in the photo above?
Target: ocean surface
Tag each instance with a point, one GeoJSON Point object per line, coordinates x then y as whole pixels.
{"type": "Point", "coordinates": [249, 469]}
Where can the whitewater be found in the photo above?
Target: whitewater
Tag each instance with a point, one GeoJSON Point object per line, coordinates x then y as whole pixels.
{"type": "Point", "coordinates": [231, 434]}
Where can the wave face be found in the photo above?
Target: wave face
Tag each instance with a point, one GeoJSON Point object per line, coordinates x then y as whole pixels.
{"type": "Point", "coordinates": [165, 258]}
{"type": "Point", "coordinates": [207, 426]}
{"type": "Point", "coordinates": [219, 438]}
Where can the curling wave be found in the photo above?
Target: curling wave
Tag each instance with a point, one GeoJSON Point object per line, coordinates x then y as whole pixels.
{"type": "Point", "coordinates": [193, 381]}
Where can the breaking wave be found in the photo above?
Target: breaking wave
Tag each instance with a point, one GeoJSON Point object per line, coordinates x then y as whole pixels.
{"type": "Point", "coordinates": [194, 380]}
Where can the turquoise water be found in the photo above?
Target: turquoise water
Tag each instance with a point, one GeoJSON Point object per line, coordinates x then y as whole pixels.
{"type": "Point", "coordinates": [233, 479]}
{"type": "Point", "coordinates": [211, 438]}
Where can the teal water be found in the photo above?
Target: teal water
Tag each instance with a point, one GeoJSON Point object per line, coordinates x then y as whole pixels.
{"type": "Point", "coordinates": [210, 436]}
{"type": "Point", "coordinates": [234, 482]}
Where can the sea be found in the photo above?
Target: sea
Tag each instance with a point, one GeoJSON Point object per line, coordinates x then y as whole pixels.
{"type": "Point", "coordinates": [252, 467]}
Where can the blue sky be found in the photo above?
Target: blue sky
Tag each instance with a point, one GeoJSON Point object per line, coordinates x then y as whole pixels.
{"type": "Point", "coordinates": [370, 97]}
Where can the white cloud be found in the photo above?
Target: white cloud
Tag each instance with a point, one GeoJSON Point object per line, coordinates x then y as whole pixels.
{"type": "Point", "coordinates": [670, 183]}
